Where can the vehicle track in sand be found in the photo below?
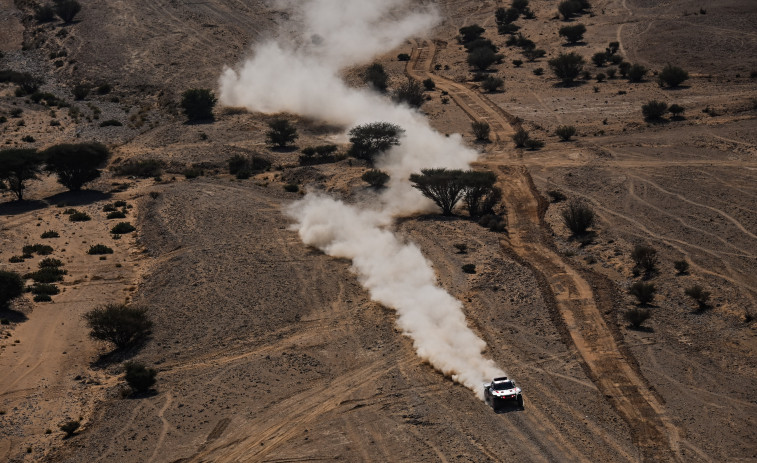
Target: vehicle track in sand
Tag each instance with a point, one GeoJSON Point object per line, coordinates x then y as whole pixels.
{"type": "Point", "coordinates": [653, 432]}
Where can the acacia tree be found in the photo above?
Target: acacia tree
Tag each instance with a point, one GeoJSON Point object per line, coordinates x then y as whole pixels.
{"type": "Point", "coordinates": [480, 193]}
{"type": "Point", "coordinates": [17, 166]}
{"type": "Point", "coordinates": [11, 287]}
{"type": "Point", "coordinates": [120, 324]}
{"type": "Point", "coordinates": [76, 164]}
{"type": "Point", "coordinates": [443, 186]}
{"type": "Point", "coordinates": [370, 140]}
{"type": "Point", "coordinates": [281, 133]}
{"type": "Point", "coordinates": [573, 34]}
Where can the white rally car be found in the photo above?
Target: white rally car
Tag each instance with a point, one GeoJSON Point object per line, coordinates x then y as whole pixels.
{"type": "Point", "coordinates": [503, 392]}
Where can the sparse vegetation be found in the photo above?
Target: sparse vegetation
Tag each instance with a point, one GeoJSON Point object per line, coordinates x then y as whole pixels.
{"type": "Point", "coordinates": [469, 268]}
{"type": "Point", "coordinates": [700, 296]}
{"type": "Point", "coordinates": [565, 132]}
{"type": "Point", "coordinates": [636, 316]}
{"type": "Point", "coordinates": [39, 249]}
{"type": "Point", "coordinates": [111, 123]}
{"type": "Point", "coordinates": [672, 76]}
{"type": "Point", "coordinates": [578, 217]}
{"type": "Point", "coordinates": [643, 292]}
{"type": "Point", "coordinates": [198, 104]}
{"type": "Point", "coordinates": [291, 188]}
{"type": "Point", "coordinates": [403, 57]}
{"type": "Point", "coordinates": [429, 84]}
{"type": "Point", "coordinates": [556, 196]}
{"type": "Point", "coordinates": [99, 249]}
{"type": "Point", "coordinates": [46, 275]}
{"type": "Point", "coordinates": [243, 166]}
{"type": "Point", "coordinates": [480, 194]}
{"type": "Point", "coordinates": [11, 287]}
{"type": "Point", "coordinates": [119, 324]}
{"type": "Point", "coordinates": [567, 67]}
{"type": "Point", "coordinates": [375, 178]}
{"type": "Point", "coordinates": [139, 377]}
{"type": "Point", "coordinates": [676, 110]}
{"type": "Point", "coordinates": [533, 144]}
{"type": "Point", "coordinates": [281, 133]}
{"type": "Point", "coordinates": [76, 164]}
{"type": "Point", "coordinates": [50, 234]}
{"type": "Point", "coordinates": [481, 130]}
{"type": "Point", "coordinates": [681, 266]}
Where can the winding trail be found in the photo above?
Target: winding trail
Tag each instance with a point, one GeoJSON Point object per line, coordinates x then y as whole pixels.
{"type": "Point", "coordinates": [655, 436]}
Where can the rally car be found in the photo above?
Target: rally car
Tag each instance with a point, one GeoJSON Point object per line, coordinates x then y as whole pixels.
{"type": "Point", "coordinates": [503, 392]}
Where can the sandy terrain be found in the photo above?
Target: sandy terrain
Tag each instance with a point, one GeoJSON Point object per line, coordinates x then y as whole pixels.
{"type": "Point", "coordinates": [268, 350]}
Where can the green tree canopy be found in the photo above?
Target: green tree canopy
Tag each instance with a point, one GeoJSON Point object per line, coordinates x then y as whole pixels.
{"type": "Point", "coordinates": [76, 164]}
{"type": "Point", "coordinates": [198, 104]}
{"type": "Point", "coordinates": [281, 133]}
{"type": "Point", "coordinates": [370, 140]}
{"type": "Point", "coordinates": [17, 166]}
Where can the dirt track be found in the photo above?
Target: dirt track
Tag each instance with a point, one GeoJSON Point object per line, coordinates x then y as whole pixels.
{"type": "Point", "coordinates": [616, 379]}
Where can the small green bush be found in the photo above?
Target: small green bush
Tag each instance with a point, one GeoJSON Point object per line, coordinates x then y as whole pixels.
{"type": "Point", "coordinates": [645, 258]}
{"type": "Point", "coordinates": [672, 76]}
{"type": "Point", "coordinates": [44, 288]}
{"type": "Point", "coordinates": [599, 59]}
{"type": "Point", "coordinates": [700, 296]}
{"type": "Point", "coordinates": [139, 377]}
{"type": "Point", "coordinates": [520, 137]}
{"type": "Point", "coordinates": [469, 268]}
{"type": "Point", "coordinates": [50, 234]}
{"type": "Point", "coordinates": [291, 187]}
{"type": "Point", "coordinates": [517, 63]}
{"type": "Point", "coordinates": [578, 217]}
{"type": "Point", "coordinates": [676, 110]}
{"type": "Point", "coordinates": [556, 196]}
{"type": "Point", "coordinates": [573, 34]}
{"type": "Point", "coordinates": [643, 292]}
{"type": "Point", "coordinates": [654, 110]}
{"type": "Point", "coordinates": [636, 72]}
{"type": "Point", "coordinates": [636, 316]}
{"type": "Point", "coordinates": [110, 207]}
{"type": "Point", "coordinates": [481, 130]}
{"type": "Point", "coordinates": [116, 215]}
{"type": "Point", "coordinates": [98, 249]}
{"type": "Point", "coordinates": [375, 178]}
{"type": "Point", "coordinates": [80, 91]}
{"type": "Point", "coordinates": [198, 104]}
{"type": "Point", "coordinates": [429, 84]}
{"type": "Point", "coordinates": [79, 217]}
{"type": "Point", "coordinates": [16, 259]}
{"type": "Point", "coordinates": [120, 203]}
{"type": "Point", "coordinates": [46, 275]}
{"type": "Point", "coordinates": [491, 84]}
{"type": "Point", "coordinates": [403, 57]}
{"type": "Point", "coordinates": [681, 266]}
{"type": "Point", "coordinates": [39, 249]}
{"type": "Point", "coordinates": [50, 262]}
{"type": "Point", "coordinates": [193, 172]}
{"type": "Point", "coordinates": [565, 132]}
{"type": "Point", "coordinates": [122, 228]}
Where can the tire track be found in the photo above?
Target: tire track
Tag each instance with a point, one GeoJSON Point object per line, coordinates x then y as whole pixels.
{"type": "Point", "coordinates": [652, 430]}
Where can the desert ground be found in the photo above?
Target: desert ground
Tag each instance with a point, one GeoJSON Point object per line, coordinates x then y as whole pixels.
{"type": "Point", "coordinates": [270, 350]}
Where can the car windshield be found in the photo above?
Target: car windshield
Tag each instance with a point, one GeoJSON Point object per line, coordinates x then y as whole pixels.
{"type": "Point", "coordinates": [503, 386]}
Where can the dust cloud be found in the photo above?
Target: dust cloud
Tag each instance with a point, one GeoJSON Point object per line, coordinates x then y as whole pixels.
{"type": "Point", "coordinates": [300, 74]}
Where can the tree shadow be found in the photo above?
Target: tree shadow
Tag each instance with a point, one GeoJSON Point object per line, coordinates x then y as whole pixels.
{"type": "Point", "coordinates": [584, 239]}
{"type": "Point", "coordinates": [642, 329]}
{"type": "Point", "coordinates": [13, 316]}
{"type": "Point", "coordinates": [676, 88]}
{"type": "Point", "coordinates": [107, 359]}
{"type": "Point", "coordinates": [78, 198]}
{"type": "Point", "coordinates": [200, 121]}
{"type": "Point", "coordinates": [20, 207]}
{"type": "Point", "coordinates": [284, 149]}
{"type": "Point", "coordinates": [142, 395]}
{"type": "Point", "coordinates": [580, 43]}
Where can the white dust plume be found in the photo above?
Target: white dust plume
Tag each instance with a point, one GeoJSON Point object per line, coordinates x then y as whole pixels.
{"type": "Point", "coordinates": [301, 75]}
